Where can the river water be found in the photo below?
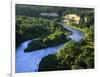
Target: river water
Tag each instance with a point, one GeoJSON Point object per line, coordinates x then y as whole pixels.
{"type": "Point", "coordinates": [29, 62]}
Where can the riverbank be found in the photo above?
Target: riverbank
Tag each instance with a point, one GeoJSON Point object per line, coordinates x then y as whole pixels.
{"type": "Point", "coordinates": [74, 27]}
{"type": "Point", "coordinates": [38, 44]}
{"type": "Point", "coordinates": [73, 44]}
{"type": "Point", "coordinates": [73, 55]}
{"type": "Point", "coordinates": [54, 39]}
{"type": "Point", "coordinates": [31, 60]}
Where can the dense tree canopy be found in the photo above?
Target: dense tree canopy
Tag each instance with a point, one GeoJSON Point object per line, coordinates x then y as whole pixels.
{"type": "Point", "coordinates": [76, 55]}
{"type": "Point", "coordinates": [47, 31]}
{"type": "Point", "coordinates": [72, 56]}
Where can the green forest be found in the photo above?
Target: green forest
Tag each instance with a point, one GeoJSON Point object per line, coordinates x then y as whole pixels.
{"type": "Point", "coordinates": [48, 31]}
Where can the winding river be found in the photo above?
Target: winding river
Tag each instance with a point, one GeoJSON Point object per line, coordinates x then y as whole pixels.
{"type": "Point", "coordinates": [29, 62]}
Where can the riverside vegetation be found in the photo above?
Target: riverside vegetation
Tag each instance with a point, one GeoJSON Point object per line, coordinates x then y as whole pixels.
{"type": "Point", "coordinates": [48, 32]}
